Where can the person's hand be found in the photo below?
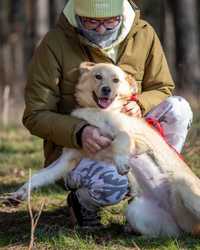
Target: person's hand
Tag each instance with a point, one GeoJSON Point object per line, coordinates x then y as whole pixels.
{"type": "Point", "coordinates": [131, 108]}
{"type": "Point", "coordinates": [93, 141]}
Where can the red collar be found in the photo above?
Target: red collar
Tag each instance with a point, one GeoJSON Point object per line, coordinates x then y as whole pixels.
{"type": "Point", "coordinates": [134, 98]}
{"type": "Point", "coordinates": [157, 126]}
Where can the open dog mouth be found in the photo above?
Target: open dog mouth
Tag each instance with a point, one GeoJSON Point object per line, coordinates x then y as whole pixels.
{"type": "Point", "coordinates": [103, 102]}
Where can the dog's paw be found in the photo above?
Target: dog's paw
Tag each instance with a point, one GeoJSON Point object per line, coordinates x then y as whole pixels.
{"type": "Point", "coordinates": [72, 182]}
{"type": "Point", "coordinates": [17, 197]}
{"type": "Point", "coordinates": [122, 164]}
{"type": "Point", "coordinates": [129, 230]}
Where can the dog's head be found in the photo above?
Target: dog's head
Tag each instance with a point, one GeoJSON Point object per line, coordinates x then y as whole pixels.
{"type": "Point", "coordinates": [102, 84]}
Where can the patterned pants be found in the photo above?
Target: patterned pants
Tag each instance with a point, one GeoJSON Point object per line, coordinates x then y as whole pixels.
{"type": "Point", "coordinates": [98, 184]}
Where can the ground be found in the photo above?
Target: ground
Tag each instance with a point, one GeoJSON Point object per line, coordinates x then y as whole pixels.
{"type": "Point", "coordinates": [19, 151]}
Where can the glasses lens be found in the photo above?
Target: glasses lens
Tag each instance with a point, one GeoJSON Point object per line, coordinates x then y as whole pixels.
{"type": "Point", "coordinates": [110, 23]}
{"type": "Point", "coordinates": [90, 23]}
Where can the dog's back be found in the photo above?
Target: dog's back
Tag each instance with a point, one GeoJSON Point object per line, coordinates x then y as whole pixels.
{"type": "Point", "coordinates": [146, 140]}
{"type": "Point", "coordinates": [178, 186]}
{"type": "Point", "coordinates": [100, 92]}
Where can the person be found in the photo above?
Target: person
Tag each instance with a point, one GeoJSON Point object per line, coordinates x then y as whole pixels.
{"type": "Point", "coordinates": [98, 31]}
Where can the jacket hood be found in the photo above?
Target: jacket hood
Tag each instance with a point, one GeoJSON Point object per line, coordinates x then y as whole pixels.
{"type": "Point", "coordinates": [68, 26]}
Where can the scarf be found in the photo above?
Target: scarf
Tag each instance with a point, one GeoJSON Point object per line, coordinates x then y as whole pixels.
{"type": "Point", "coordinates": [101, 40]}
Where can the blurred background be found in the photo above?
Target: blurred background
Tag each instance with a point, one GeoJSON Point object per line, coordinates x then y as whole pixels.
{"type": "Point", "coordinates": [23, 23]}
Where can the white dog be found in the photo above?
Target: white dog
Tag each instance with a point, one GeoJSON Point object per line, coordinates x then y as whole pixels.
{"type": "Point", "coordinates": [167, 207]}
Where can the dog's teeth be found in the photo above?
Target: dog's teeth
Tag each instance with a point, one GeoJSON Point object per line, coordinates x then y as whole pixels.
{"type": "Point", "coordinates": [104, 102]}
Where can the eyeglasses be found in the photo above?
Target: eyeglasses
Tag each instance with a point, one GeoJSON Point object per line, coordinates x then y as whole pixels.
{"type": "Point", "coordinates": [93, 24]}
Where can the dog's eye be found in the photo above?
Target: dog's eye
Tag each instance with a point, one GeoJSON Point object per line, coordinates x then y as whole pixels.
{"type": "Point", "coordinates": [115, 80]}
{"type": "Point", "coordinates": [98, 77]}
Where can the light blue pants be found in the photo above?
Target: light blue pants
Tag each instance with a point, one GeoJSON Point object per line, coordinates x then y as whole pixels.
{"type": "Point", "coordinates": [98, 184]}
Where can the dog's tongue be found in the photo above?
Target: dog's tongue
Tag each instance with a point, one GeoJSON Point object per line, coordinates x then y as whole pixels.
{"type": "Point", "coordinates": [104, 102]}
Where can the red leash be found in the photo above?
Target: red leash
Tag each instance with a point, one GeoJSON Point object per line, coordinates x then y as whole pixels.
{"type": "Point", "coordinates": [156, 125]}
{"type": "Point", "coordinates": [134, 98]}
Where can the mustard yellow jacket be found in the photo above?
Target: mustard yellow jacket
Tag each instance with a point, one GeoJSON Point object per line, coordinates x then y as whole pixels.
{"type": "Point", "coordinates": [53, 74]}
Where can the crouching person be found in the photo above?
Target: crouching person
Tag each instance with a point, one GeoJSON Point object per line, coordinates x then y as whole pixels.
{"type": "Point", "coordinates": [98, 31]}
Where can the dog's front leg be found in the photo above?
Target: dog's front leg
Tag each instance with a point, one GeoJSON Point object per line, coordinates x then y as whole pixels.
{"type": "Point", "coordinates": [49, 175]}
{"type": "Point", "coordinates": [121, 148]}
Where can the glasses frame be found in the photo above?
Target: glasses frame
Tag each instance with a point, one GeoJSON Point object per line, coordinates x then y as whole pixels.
{"type": "Point", "coordinates": [93, 23]}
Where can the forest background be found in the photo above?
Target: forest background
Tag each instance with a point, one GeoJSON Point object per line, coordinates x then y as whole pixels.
{"type": "Point", "coordinates": [23, 23]}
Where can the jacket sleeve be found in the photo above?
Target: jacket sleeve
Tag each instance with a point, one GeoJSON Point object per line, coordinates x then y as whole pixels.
{"type": "Point", "coordinates": [42, 97]}
{"type": "Point", "coordinates": [157, 82]}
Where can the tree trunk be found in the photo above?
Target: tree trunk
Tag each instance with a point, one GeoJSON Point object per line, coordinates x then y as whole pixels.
{"type": "Point", "coordinates": [55, 10]}
{"type": "Point", "coordinates": [6, 105]}
{"type": "Point", "coordinates": [42, 18]}
{"type": "Point", "coordinates": [4, 22]}
{"type": "Point", "coordinates": [168, 35]}
{"type": "Point", "coordinates": [187, 43]}
{"type": "Point", "coordinates": [17, 18]}
{"type": "Point", "coordinates": [30, 31]}
{"type": "Point", "coordinates": [4, 34]}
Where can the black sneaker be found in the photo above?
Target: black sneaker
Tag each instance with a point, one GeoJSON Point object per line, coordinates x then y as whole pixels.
{"type": "Point", "coordinates": [80, 215]}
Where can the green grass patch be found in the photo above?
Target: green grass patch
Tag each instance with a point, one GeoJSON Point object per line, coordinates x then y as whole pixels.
{"type": "Point", "coordinates": [20, 151]}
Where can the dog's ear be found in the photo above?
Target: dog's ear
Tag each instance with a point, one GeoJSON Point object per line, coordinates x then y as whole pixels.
{"type": "Point", "coordinates": [85, 67]}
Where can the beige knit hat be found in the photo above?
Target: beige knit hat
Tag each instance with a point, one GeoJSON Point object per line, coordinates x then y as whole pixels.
{"type": "Point", "coordinates": [98, 8]}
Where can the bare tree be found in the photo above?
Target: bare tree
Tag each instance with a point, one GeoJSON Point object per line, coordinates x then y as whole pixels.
{"type": "Point", "coordinates": [42, 18]}
{"type": "Point", "coordinates": [17, 21]}
{"type": "Point", "coordinates": [187, 43]}
{"type": "Point", "coordinates": [30, 31]}
{"type": "Point", "coordinates": [4, 22]}
{"type": "Point", "coordinates": [56, 7]}
{"type": "Point", "coordinates": [168, 35]}
{"type": "Point", "coordinates": [4, 62]}
{"type": "Point", "coordinates": [4, 34]}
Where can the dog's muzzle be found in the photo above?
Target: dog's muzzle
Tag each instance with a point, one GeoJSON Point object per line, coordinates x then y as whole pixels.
{"type": "Point", "coordinates": [103, 101]}
{"type": "Point", "coordinates": [106, 91]}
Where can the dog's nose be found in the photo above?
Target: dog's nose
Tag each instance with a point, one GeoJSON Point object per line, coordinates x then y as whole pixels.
{"type": "Point", "coordinates": [106, 90]}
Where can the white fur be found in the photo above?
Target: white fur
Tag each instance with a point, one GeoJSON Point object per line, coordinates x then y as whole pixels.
{"type": "Point", "coordinates": [145, 216]}
{"type": "Point", "coordinates": [177, 208]}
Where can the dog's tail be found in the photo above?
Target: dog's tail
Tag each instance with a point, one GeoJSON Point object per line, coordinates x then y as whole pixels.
{"type": "Point", "coordinates": [189, 192]}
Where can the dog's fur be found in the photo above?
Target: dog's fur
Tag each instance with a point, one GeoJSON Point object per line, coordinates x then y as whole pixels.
{"type": "Point", "coordinates": [147, 213]}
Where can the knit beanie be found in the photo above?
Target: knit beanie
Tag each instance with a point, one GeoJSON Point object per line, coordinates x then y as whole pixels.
{"type": "Point", "coordinates": [98, 8]}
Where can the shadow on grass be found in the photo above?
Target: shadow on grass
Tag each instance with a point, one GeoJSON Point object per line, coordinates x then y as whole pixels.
{"type": "Point", "coordinates": [13, 186]}
{"type": "Point", "coordinates": [15, 230]}
{"type": "Point", "coordinates": [15, 225]}
{"type": "Point", "coordinates": [54, 226]}
{"type": "Point", "coordinates": [9, 187]}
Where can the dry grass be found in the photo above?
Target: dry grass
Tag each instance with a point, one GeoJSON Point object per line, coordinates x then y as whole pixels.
{"type": "Point", "coordinates": [20, 151]}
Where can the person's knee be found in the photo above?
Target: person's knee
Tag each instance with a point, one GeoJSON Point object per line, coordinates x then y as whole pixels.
{"type": "Point", "coordinates": [181, 110]}
{"type": "Point", "coordinates": [112, 188]}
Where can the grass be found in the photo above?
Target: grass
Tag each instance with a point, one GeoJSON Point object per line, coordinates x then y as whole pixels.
{"type": "Point", "coordinates": [20, 151]}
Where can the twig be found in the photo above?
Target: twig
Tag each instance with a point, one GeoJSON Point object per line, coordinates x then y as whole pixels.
{"type": "Point", "coordinates": [136, 246]}
{"type": "Point", "coordinates": [6, 105]}
{"type": "Point", "coordinates": [34, 219]}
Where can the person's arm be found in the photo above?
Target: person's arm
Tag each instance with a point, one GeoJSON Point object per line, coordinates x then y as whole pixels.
{"type": "Point", "coordinates": [157, 82]}
{"type": "Point", "coordinates": [42, 97]}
